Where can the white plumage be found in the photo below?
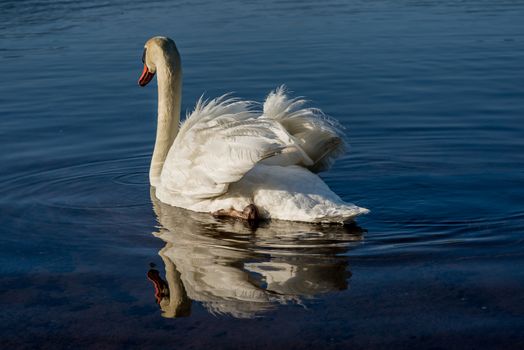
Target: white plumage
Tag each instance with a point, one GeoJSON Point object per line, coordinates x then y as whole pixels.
{"type": "Point", "coordinates": [228, 155]}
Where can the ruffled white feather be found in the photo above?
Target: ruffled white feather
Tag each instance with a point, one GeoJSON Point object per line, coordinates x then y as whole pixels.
{"type": "Point", "coordinates": [322, 138]}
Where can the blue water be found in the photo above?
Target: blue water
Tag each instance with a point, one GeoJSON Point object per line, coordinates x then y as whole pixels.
{"type": "Point", "coordinates": [432, 95]}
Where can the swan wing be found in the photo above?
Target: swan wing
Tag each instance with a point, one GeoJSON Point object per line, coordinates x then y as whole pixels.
{"type": "Point", "coordinates": [219, 142]}
{"type": "Point", "coordinates": [319, 136]}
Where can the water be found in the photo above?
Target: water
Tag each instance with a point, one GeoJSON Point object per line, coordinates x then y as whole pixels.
{"type": "Point", "coordinates": [432, 94]}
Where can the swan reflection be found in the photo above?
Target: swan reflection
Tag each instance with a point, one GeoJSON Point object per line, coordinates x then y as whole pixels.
{"type": "Point", "coordinates": [242, 271]}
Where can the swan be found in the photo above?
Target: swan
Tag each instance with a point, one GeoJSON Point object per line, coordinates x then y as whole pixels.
{"type": "Point", "coordinates": [230, 160]}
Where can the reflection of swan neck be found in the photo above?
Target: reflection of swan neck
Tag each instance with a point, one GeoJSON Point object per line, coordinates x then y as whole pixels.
{"type": "Point", "coordinates": [177, 304]}
{"type": "Point", "coordinates": [169, 77]}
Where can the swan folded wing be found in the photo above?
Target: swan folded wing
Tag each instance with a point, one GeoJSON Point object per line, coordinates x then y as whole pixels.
{"type": "Point", "coordinates": [219, 143]}
{"type": "Point", "coordinates": [320, 137]}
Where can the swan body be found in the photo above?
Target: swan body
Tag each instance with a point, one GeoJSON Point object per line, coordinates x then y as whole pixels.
{"type": "Point", "coordinates": [226, 155]}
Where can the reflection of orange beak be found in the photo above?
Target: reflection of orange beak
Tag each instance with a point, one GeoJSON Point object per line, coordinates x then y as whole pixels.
{"type": "Point", "coordinates": [161, 287]}
{"type": "Point", "coordinates": [145, 77]}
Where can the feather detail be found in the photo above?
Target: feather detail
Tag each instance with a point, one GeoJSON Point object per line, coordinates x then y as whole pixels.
{"type": "Point", "coordinates": [219, 142]}
{"type": "Point", "coordinates": [319, 136]}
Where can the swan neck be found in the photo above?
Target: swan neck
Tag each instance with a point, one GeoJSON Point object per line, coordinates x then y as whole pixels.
{"type": "Point", "coordinates": [169, 77]}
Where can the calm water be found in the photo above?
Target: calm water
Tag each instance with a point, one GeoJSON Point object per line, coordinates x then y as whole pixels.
{"type": "Point", "coordinates": [432, 94]}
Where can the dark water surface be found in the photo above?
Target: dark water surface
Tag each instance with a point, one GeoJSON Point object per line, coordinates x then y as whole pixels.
{"type": "Point", "coordinates": [432, 94]}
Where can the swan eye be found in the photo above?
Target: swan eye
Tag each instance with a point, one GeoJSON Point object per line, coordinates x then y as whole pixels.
{"type": "Point", "coordinates": [144, 57]}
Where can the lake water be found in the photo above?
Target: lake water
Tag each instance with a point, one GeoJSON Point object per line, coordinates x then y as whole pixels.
{"type": "Point", "coordinates": [432, 95]}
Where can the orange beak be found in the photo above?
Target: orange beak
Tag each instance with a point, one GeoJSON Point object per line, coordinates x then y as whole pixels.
{"type": "Point", "coordinates": [146, 77]}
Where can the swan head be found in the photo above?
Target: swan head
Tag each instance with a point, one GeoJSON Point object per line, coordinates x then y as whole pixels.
{"type": "Point", "coordinates": [157, 49]}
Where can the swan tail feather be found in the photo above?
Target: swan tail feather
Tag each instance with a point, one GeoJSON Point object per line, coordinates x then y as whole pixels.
{"type": "Point", "coordinates": [319, 136]}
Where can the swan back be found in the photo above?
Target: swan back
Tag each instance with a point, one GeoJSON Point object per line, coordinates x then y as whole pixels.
{"type": "Point", "coordinates": [220, 141]}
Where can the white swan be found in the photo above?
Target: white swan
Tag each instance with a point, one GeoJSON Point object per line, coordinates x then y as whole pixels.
{"type": "Point", "coordinates": [227, 159]}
